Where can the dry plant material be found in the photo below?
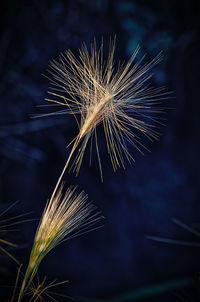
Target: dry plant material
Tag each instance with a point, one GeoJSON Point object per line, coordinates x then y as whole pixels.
{"type": "Point", "coordinates": [120, 98]}
{"type": "Point", "coordinates": [42, 291]}
{"type": "Point", "coordinates": [64, 217]}
{"type": "Point", "coordinates": [6, 227]}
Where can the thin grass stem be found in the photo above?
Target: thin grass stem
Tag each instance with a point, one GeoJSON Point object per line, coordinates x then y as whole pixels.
{"type": "Point", "coordinates": [65, 167]}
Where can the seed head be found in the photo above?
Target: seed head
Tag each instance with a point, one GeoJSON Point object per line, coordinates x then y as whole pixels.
{"type": "Point", "coordinates": [120, 98]}
{"type": "Point", "coordinates": [64, 217]}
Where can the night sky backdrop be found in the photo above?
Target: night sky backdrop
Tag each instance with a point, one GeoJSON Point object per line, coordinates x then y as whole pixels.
{"type": "Point", "coordinates": [141, 201]}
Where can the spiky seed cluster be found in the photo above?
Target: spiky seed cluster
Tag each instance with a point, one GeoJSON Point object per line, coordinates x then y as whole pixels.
{"type": "Point", "coordinates": [63, 218]}
{"type": "Point", "coordinates": [121, 99]}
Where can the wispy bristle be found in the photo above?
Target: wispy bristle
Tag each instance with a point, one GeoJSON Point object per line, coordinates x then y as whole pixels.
{"type": "Point", "coordinates": [42, 291]}
{"type": "Point", "coordinates": [65, 216]}
{"type": "Point", "coordinates": [6, 226]}
{"type": "Point", "coordinates": [121, 99]}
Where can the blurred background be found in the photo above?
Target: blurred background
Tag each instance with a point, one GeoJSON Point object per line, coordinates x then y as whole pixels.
{"type": "Point", "coordinates": [157, 196]}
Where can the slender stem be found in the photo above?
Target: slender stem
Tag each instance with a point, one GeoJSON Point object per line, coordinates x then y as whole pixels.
{"type": "Point", "coordinates": [16, 282]}
{"type": "Point", "coordinates": [21, 293]}
{"type": "Point", "coordinates": [26, 283]}
{"type": "Point", "coordinates": [65, 167]}
{"type": "Point", "coordinates": [27, 275]}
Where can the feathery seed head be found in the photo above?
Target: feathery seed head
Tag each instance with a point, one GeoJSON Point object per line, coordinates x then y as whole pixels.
{"type": "Point", "coordinates": [64, 217]}
{"type": "Point", "coordinates": [121, 99]}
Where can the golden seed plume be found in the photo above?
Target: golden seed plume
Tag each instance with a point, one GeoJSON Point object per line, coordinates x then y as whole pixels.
{"type": "Point", "coordinates": [64, 217]}
{"type": "Point", "coordinates": [120, 98]}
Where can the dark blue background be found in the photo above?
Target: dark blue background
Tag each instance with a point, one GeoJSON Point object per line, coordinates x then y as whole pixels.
{"type": "Point", "coordinates": [138, 201]}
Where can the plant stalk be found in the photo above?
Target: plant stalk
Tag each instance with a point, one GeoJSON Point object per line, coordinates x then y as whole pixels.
{"type": "Point", "coordinates": [25, 282]}
{"type": "Point", "coordinates": [65, 167]}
